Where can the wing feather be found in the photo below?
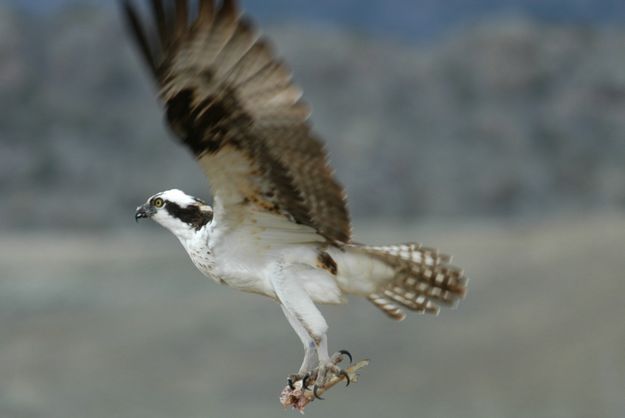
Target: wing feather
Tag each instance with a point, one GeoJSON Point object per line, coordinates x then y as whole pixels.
{"type": "Point", "coordinates": [206, 12]}
{"type": "Point", "coordinates": [235, 106]}
{"type": "Point", "coordinates": [259, 57]}
{"type": "Point", "coordinates": [182, 18]}
{"type": "Point", "coordinates": [143, 44]}
{"type": "Point", "coordinates": [160, 17]}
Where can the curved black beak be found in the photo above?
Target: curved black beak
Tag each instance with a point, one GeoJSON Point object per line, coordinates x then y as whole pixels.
{"type": "Point", "coordinates": [144, 211]}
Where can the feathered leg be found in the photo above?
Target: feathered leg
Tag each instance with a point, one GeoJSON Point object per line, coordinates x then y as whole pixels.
{"type": "Point", "coordinates": [310, 354]}
{"type": "Point", "coordinates": [308, 323]}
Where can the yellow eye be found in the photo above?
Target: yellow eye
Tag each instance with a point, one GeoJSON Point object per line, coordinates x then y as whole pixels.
{"type": "Point", "coordinates": [158, 202]}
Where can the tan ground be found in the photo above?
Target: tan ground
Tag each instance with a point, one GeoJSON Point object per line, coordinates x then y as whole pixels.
{"type": "Point", "coordinates": [123, 326]}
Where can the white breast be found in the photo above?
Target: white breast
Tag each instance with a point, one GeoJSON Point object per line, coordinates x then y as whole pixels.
{"type": "Point", "coordinates": [234, 258]}
{"type": "Point", "coordinates": [243, 255]}
{"type": "Point", "coordinates": [200, 253]}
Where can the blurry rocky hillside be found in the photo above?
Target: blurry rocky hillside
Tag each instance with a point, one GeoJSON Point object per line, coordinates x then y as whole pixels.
{"type": "Point", "coordinates": [508, 118]}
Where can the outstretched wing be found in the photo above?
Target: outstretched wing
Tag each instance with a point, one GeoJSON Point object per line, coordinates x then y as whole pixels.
{"type": "Point", "coordinates": [235, 107]}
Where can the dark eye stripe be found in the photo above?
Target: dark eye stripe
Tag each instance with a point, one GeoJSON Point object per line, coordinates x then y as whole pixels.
{"type": "Point", "coordinates": [191, 215]}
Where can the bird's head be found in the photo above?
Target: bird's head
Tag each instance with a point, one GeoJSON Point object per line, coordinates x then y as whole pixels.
{"type": "Point", "coordinates": [182, 214]}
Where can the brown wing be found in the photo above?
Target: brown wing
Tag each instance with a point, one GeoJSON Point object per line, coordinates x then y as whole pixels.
{"type": "Point", "coordinates": [233, 104]}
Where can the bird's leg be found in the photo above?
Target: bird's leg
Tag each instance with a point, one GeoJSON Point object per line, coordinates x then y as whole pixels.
{"type": "Point", "coordinates": [308, 322]}
{"type": "Point", "coordinates": [328, 365]}
{"type": "Point", "coordinates": [310, 352]}
{"type": "Point", "coordinates": [301, 313]}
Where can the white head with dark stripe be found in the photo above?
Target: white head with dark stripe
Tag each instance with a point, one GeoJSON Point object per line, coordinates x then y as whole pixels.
{"type": "Point", "coordinates": [182, 214]}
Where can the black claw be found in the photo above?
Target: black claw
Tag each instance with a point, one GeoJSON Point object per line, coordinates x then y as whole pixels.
{"type": "Point", "coordinates": [305, 381]}
{"type": "Point", "coordinates": [344, 374]}
{"type": "Point", "coordinates": [289, 381]}
{"type": "Point", "coordinates": [315, 388]}
{"type": "Point", "coordinates": [348, 354]}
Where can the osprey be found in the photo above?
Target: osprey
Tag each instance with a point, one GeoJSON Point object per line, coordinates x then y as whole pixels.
{"type": "Point", "coordinates": [279, 224]}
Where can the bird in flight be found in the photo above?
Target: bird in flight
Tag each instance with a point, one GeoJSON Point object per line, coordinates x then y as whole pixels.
{"type": "Point", "coordinates": [279, 224]}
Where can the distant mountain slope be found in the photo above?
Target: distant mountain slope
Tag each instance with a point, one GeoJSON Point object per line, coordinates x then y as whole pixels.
{"type": "Point", "coordinates": [506, 118]}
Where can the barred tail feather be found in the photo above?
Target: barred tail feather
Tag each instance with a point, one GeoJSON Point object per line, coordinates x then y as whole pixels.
{"type": "Point", "coordinates": [388, 307]}
{"type": "Point", "coordinates": [424, 279]}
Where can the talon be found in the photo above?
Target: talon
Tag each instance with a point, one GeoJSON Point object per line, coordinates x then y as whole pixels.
{"type": "Point", "coordinates": [289, 381]}
{"type": "Point", "coordinates": [348, 354]}
{"type": "Point", "coordinates": [315, 388]}
{"type": "Point", "coordinates": [346, 375]}
{"type": "Point", "coordinates": [305, 381]}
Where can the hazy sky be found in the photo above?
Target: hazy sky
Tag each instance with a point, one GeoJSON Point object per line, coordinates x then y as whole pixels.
{"type": "Point", "coordinates": [406, 18]}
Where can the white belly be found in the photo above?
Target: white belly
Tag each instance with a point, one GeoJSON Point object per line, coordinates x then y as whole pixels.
{"type": "Point", "coordinates": [232, 269]}
{"type": "Point", "coordinates": [244, 258]}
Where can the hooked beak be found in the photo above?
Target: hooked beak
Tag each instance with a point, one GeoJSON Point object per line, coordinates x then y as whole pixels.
{"type": "Point", "coordinates": [144, 211]}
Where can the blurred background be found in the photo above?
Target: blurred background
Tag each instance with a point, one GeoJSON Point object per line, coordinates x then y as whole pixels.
{"type": "Point", "coordinates": [492, 129]}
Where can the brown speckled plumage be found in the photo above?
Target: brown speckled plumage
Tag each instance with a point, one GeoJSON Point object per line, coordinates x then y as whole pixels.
{"type": "Point", "coordinates": [326, 262]}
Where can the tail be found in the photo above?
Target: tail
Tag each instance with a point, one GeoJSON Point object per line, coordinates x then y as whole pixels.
{"type": "Point", "coordinates": [423, 279]}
